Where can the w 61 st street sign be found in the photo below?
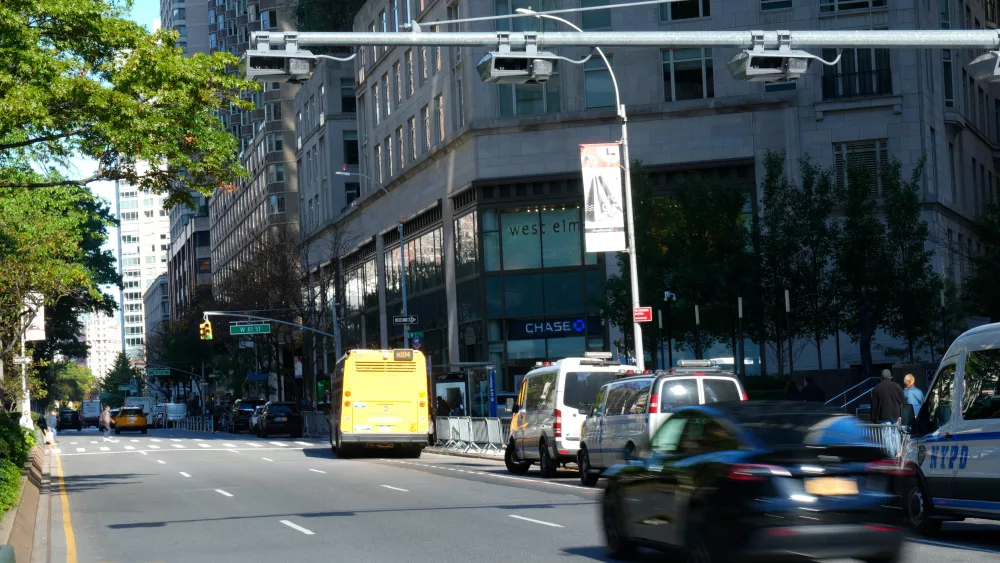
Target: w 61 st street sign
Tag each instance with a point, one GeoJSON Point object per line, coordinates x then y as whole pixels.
{"type": "Point", "coordinates": [250, 329]}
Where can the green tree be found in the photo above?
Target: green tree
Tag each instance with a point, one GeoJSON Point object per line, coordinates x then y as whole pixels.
{"type": "Point", "coordinates": [121, 373]}
{"type": "Point", "coordinates": [910, 305]}
{"type": "Point", "coordinates": [813, 290]}
{"type": "Point", "coordinates": [80, 79]}
{"type": "Point", "coordinates": [947, 318]}
{"type": "Point", "coordinates": [979, 288]}
{"type": "Point", "coordinates": [71, 382]}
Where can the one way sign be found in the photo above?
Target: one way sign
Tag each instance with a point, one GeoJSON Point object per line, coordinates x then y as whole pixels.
{"type": "Point", "coordinates": [404, 319]}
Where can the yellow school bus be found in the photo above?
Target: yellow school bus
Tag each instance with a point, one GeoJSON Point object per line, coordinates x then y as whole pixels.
{"type": "Point", "coordinates": [378, 399]}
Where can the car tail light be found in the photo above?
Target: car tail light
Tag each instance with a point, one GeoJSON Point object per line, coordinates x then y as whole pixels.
{"type": "Point", "coordinates": [654, 404]}
{"type": "Point", "coordinates": [745, 396]}
{"type": "Point", "coordinates": [877, 528]}
{"type": "Point", "coordinates": [891, 467]}
{"type": "Point", "coordinates": [754, 472]}
{"type": "Point", "coordinates": [781, 532]}
{"type": "Point", "coordinates": [557, 427]}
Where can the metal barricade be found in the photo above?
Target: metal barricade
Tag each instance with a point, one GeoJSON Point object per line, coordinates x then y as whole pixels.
{"type": "Point", "coordinates": [495, 437]}
{"type": "Point", "coordinates": [471, 435]}
{"type": "Point", "coordinates": [480, 438]}
{"type": "Point", "coordinates": [464, 433]}
{"type": "Point", "coordinates": [453, 433]}
{"type": "Point", "coordinates": [890, 437]}
{"type": "Point", "coordinates": [315, 424]}
{"type": "Point", "coordinates": [442, 430]}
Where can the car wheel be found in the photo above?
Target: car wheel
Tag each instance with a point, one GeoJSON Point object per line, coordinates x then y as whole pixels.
{"type": "Point", "coordinates": [514, 466]}
{"type": "Point", "coordinates": [145, 430]}
{"type": "Point", "coordinates": [545, 462]}
{"type": "Point", "coordinates": [588, 478]}
{"type": "Point", "coordinates": [619, 545]}
{"type": "Point", "coordinates": [343, 451]}
{"type": "Point", "coordinates": [919, 509]}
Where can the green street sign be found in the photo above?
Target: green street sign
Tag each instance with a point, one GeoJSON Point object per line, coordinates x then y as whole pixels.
{"type": "Point", "coordinates": [250, 329]}
{"type": "Point", "coordinates": [124, 387]}
{"type": "Point", "coordinates": [416, 334]}
{"type": "Point", "coordinates": [158, 371]}
{"type": "Point", "coordinates": [105, 395]}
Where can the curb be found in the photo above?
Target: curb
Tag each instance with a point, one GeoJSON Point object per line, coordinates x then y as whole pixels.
{"type": "Point", "coordinates": [464, 454]}
{"type": "Point", "coordinates": [17, 527]}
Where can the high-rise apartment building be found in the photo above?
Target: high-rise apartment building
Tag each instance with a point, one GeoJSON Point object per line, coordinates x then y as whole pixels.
{"type": "Point", "coordinates": [156, 306]}
{"type": "Point", "coordinates": [104, 338]}
{"type": "Point", "coordinates": [267, 141]}
{"type": "Point", "coordinates": [189, 18]}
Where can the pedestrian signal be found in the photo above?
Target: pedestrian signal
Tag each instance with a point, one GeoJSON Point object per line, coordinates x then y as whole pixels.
{"type": "Point", "coordinates": [206, 330]}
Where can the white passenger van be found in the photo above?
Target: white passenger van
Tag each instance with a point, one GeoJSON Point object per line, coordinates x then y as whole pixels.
{"type": "Point", "coordinates": [628, 411]}
{"type": "Point", "coordinates": [954, 441]}
{"type": "Point", "coordinates": [552, 403]}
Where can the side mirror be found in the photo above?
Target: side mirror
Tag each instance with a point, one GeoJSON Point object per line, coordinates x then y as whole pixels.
{"type": "Point", "coordinates": [509, 405]}
{"type": "Point", "coordinates": [515, 409]}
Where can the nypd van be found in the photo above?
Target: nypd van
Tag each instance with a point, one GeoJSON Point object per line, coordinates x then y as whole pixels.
{"type": "Point", "coordinates": [954, 441]}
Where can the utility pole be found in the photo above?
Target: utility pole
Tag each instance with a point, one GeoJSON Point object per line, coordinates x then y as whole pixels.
{"type": "Point", "coordinates": [742, 369]}
{"type": "Point", "coordinates": [788, 328]}
{"type": "Point", "coordinates": [697, 333]}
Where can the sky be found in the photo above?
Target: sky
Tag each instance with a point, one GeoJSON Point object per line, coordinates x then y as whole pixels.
{"type": "Point", "coordinates": [145, 11]}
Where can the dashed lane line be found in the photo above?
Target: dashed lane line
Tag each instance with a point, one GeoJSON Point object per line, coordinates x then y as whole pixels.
{"type": "Point", "coordinates": [297, 527]}
{"type": "Point", "coordinates": [185, 474]}
{"type": "Point", "coordinates": [317, 471]}
{"type": "Point", "coordinates": [266, 459]}
{"type": "Point", "coordinates": [223, 493]}
{"type": "Point", "coordinates": [395, 488]}
{"type": "Point", "coordinates": [160, 461]}
{"type": "Point", "coordinates": [532, 520]}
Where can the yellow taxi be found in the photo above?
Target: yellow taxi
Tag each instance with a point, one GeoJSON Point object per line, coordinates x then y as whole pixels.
{"type": "Point", "coordinates": [131, 418]}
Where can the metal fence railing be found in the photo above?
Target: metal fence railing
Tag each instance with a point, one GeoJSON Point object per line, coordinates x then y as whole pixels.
{"type": "Point", "coordinates": [890, 437]}
{"type": "Point", "coordinates": [468, 434]}
{"type": "Point", "coordinates": [315, 424]}
{"type": "Point", "coordinates": [195, 423]}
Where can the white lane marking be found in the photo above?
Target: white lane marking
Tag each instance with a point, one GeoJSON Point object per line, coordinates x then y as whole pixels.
{"type": "Point", "coordinates": [142, 452]}
{"type": "Point", "coordinates": [133, 440]}
{"type": "Point", "coordinates": [205, 445]}
{"type": "Point", "coordinates": [282, 444]}
{"type": "Point", "coordinates": [535, 521]}
{"type": "Point", "coordinates": [129, 447]}
{"type": "Point", "coordinates": [154, 447]}
{"type": "Point", "coordinates": [395, 488]}
{"type": "Point", "coordinates": [297, 527]}
{"type": "Point", "coordinates": [510, 477]}
{"type": "Point", "coordinates": [317, 471]}
{"type": "Point", "coordinates": [304, 443]}
{"type": "Point", "coordinates": [93, 441]}
{"type": "Point", "coordinates": [953, 545]}
{"type": "Point", "coordinates": [160, 461]}
{"type": "Point", "coordinates": [266, 459]}
{"type": "Point", "coordinates": [184, 474]}
{"type": "Point", "coordinates": [223, 493]}
{"type": "Point", "coordinates": [235, 451]}
{"type": "Point", "coordinates": [178, 445]}
{"type": "Point", "coordinates": [72, 443]}
{"type": "Point", "coordinates": [228, 445]}
{"type": "Point", "coordinates": [254, 445]}
{"type": "Point", "coordinates": [176, 440]}
{"type": "Point", "coordinates": [105, 449]}
{"type": "Point", "coordinates": [155, 440]}
{"type": "Point", "coordinates": [81, 449]}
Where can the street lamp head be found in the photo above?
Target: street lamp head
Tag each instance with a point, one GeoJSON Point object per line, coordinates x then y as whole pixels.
{"type": "Point", "coordinates": [343, 173]}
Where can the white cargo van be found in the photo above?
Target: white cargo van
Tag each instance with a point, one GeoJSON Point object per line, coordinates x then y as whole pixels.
{"type": "Point", "coordinates": [955, 437]}
{"type": "Point", "coordinates": [91, 413]}
{"type": "Point", "coordinates": [553, 401]}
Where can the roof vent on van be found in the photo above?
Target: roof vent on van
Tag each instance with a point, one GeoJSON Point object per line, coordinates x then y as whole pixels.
{"type": "Point", "coordinates": [694, 363]}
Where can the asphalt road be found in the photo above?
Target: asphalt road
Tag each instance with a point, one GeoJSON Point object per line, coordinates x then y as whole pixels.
{"type": "Point", "coordinates": [174, 496]}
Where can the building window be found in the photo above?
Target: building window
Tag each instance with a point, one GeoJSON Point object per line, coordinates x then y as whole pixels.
{"type": "Point", "coordinates": [376, 105]}
{"type": "Point", "coordinates": [466, 246]}
{"type": "Point", "coordinates": [932, 169]}
{"type": "Point", "coordinates": [599, 90]}
{"type": "Point", "coordinates": [951, 173]}
{"type": "Point", "coordinates": [531, 239]}
{"type": "Point", "coordinates": [378, 163]}
{"type": "Point", "coordinates": [241, 34]}
{"type": "Point", "coordinates": [390, 164]}
{"type": "Point", "coordinates": [385, 91]}
{"type": "Point", "coordinates": [409, 72]}
{"type": "Point", "coordinates": [837, 6]}
{"type": "Point", "coordinates": [181, 30]}
{"type": "Point", "coordinates": [425, 120]}
{"type": "Point", "coordinates": [949, 79]}
{"type": "Point", "coordinates": [945, 14]}
{"type": "Point", "coordinates": [459, 98]}
{"type": "Point", "coordinates": [272, 112]}
{"type": "Point", "coordinates": [685, 10]}
{"type": "Point", "coordinates": [766, 5]}
{"type": "Point", "coordinates": [687, 74]}
{"type": "Point", "coordinates": [873, 156]}
{"type": "Point", "coordinates": [268, 19]}
{"type": "Point", "coordinates": [596, 19]}
{"type": "Point", "coordinates": [411, 134]}
{"type": "Point", "coordinates": [275, 173]}
{"type": "Point", "coordinates": [779, 86]}
{"type": "Point", "coordinates": [348, 103]}
{"type": "Point", "coordinates": [352, 191]}
{"type": "Point", "coordinates": [425, 66]}
{"type": "Point", "coordinates": [395, 14]}
{"type": "Point", "coordinates": [438, 118]}
{"type": "Point", "coordinates": [276, 204]}
{"type": "Point", "coordinates": [397, 83]}
{"type": "Point", "coordinates": [351, 155]}
{"type": "Point", "coordinates": [860, 72]}
{"type": "Point", "coordinates": [211, 15]}
{"type": "Point", "coordinates": [274, 142]}
{"type": "Point", "coordinates": [529, 99]}
{"type": "Point", "coordinates": [178, 13]}
{"type": "Point", "coordinates": [507, 7]}
{"type": "Point", "coordinates": [400, 153]}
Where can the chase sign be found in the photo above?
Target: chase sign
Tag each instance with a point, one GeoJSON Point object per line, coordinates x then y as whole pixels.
{"type": "Point", "coordinates": [526, 329]}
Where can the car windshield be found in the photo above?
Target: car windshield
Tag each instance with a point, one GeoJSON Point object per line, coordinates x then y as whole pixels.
{"type": "Point", "coordinates": [131, 412]}
{"type": "Point", "coordinates": [250, 406]}
{"type": "Point", "coordinates": [283, 409]}
{"type": "Point", "coordinates": [720, 390]}
{"type": "Point", "coordinates": [804, 429]}
{"type": "Point", "coordinates": [582, 387]}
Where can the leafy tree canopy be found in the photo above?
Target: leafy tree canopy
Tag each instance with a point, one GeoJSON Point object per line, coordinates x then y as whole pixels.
{"type": "Point", "coordinates": [72, 382]}
{"type": "Point", "coordinates": [79, 79]}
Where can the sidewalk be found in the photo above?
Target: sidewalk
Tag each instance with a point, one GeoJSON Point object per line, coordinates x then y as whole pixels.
{"type": "Point", "coordinates": [460, 453]}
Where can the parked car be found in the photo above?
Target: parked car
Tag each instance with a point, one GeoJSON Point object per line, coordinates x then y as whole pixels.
{"type": "Point", "coordinates": [735, 481]}
{"type": "Point", "coordinates": [131, 418]}
{"type": "Point", "coordinates": [69, 419]}
{"type": "Point", "coordinates": [239, 419]}
{"type": "Point", "coordinates": [280, 418]}
{"type": "Point", "coordinates": [255, 419]}
{"type": "Point", "coordinates": [628, 411]}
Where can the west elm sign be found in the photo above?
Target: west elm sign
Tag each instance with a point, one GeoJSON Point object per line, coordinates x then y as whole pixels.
{"type": "Point", "coordinates": [526, 329]}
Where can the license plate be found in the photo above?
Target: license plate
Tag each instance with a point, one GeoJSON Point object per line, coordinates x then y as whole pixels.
{"type": "Point", "coordinates": [281, 419]}
{"type": "Point", "coordinates": [385, 428]}
{"type": "Point", "coordinates": [131, 419]}
{"type": "Point", "coordinates": [831, 486]}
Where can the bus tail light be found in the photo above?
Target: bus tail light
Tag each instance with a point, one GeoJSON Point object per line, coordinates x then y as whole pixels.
{"type": "Point", "coordinates": [347, 393]}
{"type": "Point", "coordinates": [423, 403]}
{"type": "Point", "coordinates": [347, 403]}
{"type": "Point", "coordinates": [557, 427]}
{"type": "Point", "coordinates": [654, 404]}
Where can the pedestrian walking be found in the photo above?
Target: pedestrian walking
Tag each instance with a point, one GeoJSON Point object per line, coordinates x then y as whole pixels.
{"type": "Point", "coordinates": [914, 396]}
{"type": "Point", "coordinates": [792, 392]}
{"type": "Point", "coordinates": [216, 417]}
{"type": "Point", "coordinates": [887, 403]}
{"type": "Point", "coordinates": [105, 422]}
{"type": "Point", "coordinates": [811, 392]}
{"type": "Point", "coordinates": [51, 422]}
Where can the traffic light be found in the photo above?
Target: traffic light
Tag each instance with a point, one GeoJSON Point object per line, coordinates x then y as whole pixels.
{"type": "Point", "coordinates": [206, 330]}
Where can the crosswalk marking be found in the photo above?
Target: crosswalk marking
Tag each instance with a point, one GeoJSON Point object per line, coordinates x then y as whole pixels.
{"type": "Point", "coordinates": [205, 445]}
{"type": "Point", "coordinates": [303, 443]}
{"type": "Point", "coordinates": [279, 444]}
{"type": "Point", "coordinates": [154, 447]}
{"type": "Point", "coordinates": [129, 447]}
{"type": "Point", "coordinates": [155, 440]}
{"type": "Point", "coordinates": [93, 441]}
{"type": "Point", "coordinates": [255, 445]}
{"type": "Point", "coordinates": [134, 440]}
{"type": "Point", "coordinates": [176, 440]}
{"type": "Point", "coordinates": [81, 449]}
{"type": "Point", "coordinates": [105, 449]}
{"type": "Point", "coordinates": [228, 445]}
{"type": "Point", "coordinates": [72, 443]}
{"type": "Point", "coordinates": [178, 445]}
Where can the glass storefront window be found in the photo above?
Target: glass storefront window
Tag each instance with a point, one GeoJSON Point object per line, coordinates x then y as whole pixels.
{"type": "Point", "coordinates": [370, 285]}
{"type": "Point", "coordinates": [566, 347]}
{"type": "Point", "coordinates": [522, 242]}
{"type": "Point", "coordinates": [560, 237]}
{"type": "Point", "coordinates": [467, 294]}
{"type": "Point", "coordinates": [494, 297]}
{"type": "Point", "coordinates": [495, 329]}
{"type": "Point", "coordinates": [424, 264]}
{"type": "Point", "coordinates": [466, 249]}
{"type": "Point", "coordinates": [594, 281]}
{"type": "Point", "coordinates": [563, 293]}
{"type": "Point", "coordinates": [526, 349]}
{"type": "Point", "coordinates": [491, 241]}
{"type": "Point", "coordinates": [523, 295]}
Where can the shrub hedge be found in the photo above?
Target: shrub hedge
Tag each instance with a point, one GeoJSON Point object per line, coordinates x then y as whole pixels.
{"type": "Point", "coordinates": [15, 447]}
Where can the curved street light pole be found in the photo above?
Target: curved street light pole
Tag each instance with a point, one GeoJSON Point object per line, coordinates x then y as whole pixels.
{"type": "Point", "coordinates": [402, 254]}
{"type": "Point", "coordinates": [626, 167]}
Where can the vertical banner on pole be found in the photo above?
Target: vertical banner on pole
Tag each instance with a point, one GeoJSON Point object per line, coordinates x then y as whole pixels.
{"type": "Point", "coordinates": [604, 214]}
{"type": "Point", "coordinates": [491, 374]}
{"type": "Point", "coordinates": [36, 330]}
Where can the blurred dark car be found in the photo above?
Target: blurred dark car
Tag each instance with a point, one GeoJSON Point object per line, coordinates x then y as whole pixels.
{"type": "Point", "coordinates": [69, 419]}
{"type": "Point", "coordinates": [758, 481]}
{"type": "Point", "coordinates": [280, 418]}
{"type": "Point", "coordinates": [239, 418]}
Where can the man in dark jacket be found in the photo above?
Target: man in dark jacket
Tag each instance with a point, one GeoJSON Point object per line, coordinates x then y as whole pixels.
{"type": "Point", "coordinates": [887, 403]}
{"type": "Point", "coordinates": [812, 392]}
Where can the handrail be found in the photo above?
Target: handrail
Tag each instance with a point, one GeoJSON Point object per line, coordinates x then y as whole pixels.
{"type": "Point", "coordinates": [866, 380]}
